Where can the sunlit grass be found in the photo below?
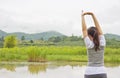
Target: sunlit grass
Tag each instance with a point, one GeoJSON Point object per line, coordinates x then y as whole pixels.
{"type": "Point", "coordinates": [54, 53]}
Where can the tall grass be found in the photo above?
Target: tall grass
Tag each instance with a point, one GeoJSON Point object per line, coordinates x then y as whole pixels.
{"type": "Point", "coordinates": [35, 54]}
{"type": "Point", "coordinates": [54, 53]}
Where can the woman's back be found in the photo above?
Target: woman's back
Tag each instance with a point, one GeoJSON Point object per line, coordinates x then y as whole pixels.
{"type": "Point", "coordinates": [96, 59]}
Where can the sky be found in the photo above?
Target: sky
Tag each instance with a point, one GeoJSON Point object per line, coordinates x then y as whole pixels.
{"type": "Point", "coordinates": [36, 16]}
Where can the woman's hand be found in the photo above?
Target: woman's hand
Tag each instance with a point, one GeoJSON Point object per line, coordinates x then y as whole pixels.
{"type": "Point", "coordinates": [86, 13]}
{"type": "Point", "coordinates": [82, 13]}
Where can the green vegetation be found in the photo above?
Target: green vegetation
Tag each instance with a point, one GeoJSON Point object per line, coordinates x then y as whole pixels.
{"type": "Point", "coordinates": [10, 41]}
{"type": "Point", "coordinates": [54, 38]}
{"type": "Point", "coordinates": [54, 53]}
{"type": "Point", "coordinates": [35, 54]}
{"type": "Point", "coordinates": [51, 46]}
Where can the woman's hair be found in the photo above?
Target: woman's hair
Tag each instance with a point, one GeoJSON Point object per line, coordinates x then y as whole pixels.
{"type": "Point", "coordinates": [93, 32]}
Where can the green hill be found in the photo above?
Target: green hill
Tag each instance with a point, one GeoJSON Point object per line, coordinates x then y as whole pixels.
{"type": "Point", "coordinates": [36, 36]}
{"type": "Point", "coordinates": [2, 33]}
{"type": "Point", "coordinates": [47, 35]}
{"type": "Point", "coordinates": [112, 36]}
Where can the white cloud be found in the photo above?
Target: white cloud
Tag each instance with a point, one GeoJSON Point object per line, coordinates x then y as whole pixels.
{"type": "Point", "coordinates": [34, 16]}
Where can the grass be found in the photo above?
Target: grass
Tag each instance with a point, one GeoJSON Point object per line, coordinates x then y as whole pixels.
{"type": "Point", "coordinates": [53, 53]}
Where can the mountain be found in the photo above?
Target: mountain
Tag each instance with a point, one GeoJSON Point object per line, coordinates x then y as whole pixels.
{"type": "Point", "coordinates": [47, 35]}
{"type": "Point", "coordinates": [36, 36]}
{"type": "Point", "coordinates": [2, 33]}
{"type": "Point", "coordinates": [112, 36]}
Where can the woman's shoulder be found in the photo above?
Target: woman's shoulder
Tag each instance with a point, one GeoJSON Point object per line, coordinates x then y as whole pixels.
{"type": "Point", "coordinates": [102, 40]}
{"type": "Point", "coordinates": [89, 43]}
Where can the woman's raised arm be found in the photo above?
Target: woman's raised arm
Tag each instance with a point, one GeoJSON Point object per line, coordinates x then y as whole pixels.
{"type": "Point", "coordinates": [95, 22]}
{"type": "Point", "coordinates": [84, 27]}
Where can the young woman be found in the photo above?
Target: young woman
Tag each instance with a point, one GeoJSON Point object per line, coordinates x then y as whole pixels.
{"type": "Point", "coordinates": [95, 43]}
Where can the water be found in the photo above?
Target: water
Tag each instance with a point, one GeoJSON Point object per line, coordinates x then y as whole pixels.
{"type": "Point", "coordinates": [51, 70]}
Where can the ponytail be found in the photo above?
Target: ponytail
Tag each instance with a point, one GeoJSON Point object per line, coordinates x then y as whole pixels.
{"type": "Point", "coordinates": [96, 41]}
{"type": "Point", "coordinates": [93, 32]}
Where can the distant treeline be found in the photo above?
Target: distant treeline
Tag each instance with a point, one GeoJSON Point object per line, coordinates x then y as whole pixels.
{"type": "Point", "coordinates": [58, 41]}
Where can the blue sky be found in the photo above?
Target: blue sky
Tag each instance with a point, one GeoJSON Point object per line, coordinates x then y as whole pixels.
{"type": "Point", "coordinates": [34, 16]}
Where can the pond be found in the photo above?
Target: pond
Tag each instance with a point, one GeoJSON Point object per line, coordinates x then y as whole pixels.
{"type": "Point", "coordinates": [51, 70]}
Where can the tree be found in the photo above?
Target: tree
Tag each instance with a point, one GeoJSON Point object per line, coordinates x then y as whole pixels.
{"type": "Point", "coordinates": [23, 38]}
{"type": "Point", "coordinates": [2, 38]}
{"type": "Point", "coordinates": [31, 41]}
{"type": "Point", "coordinates": [10, 41]}
{"type": "Point", "coordinates": [51, 39]}
{"type": "Point", "coordinates": [1, 41]}
{"type": "Point", "coordinates": [42, 38]}
{"type": "Point", "coordinates": [57, 39]}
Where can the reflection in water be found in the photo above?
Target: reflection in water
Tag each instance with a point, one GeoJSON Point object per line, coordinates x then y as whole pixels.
{"type": "Point", "coordinates": [9, 67]}
{"type": "Point", "coordinates": [112, 64]}
{"type": "Point", "coordinates": [52, 70]}
{"type": "Point", "coordinates": [69, 63]}
{"type": "Point", "coordinates": [36, 68]}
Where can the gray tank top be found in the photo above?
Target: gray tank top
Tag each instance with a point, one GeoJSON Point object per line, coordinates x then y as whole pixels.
{"type": "Point", "coordinates": [96, 59]}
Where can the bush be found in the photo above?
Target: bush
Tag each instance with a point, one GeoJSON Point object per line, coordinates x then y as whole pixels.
{"type": "Point", "coordinates": [10, 41]}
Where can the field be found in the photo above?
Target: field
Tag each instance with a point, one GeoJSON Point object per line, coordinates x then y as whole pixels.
{"type": "Point", "coordinates": [54, 53]}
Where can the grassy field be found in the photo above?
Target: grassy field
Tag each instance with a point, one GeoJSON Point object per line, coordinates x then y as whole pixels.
{"type": "Point", "coordinates": [54, 53]}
